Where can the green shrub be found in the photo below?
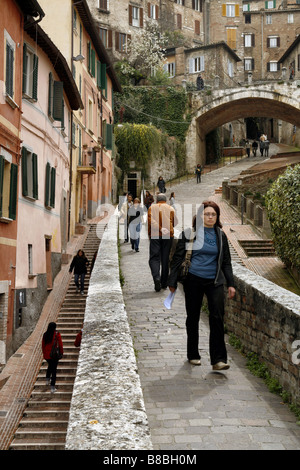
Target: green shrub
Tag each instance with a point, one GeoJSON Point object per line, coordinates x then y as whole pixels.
{"type": "Point", "coordinates": [283, 208]}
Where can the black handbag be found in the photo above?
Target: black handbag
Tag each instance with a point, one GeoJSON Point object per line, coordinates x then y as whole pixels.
{"type": "Point", "coordinates": [185, 265]}
{"type": "Point", "coordinates": [55, 351]}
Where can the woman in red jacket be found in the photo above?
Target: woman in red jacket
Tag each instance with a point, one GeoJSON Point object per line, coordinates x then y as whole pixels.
{"type": "Point", "coordinates": [49, 337]}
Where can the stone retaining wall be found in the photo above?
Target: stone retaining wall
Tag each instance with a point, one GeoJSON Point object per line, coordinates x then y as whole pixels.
{"type": "Point", "coordinates": [266, 319]}
{"type": "Point", "coordinates": [107, 409]}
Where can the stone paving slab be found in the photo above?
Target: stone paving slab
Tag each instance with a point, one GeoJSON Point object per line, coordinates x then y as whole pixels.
{"type": "Point", "coordinates": [190, 407]}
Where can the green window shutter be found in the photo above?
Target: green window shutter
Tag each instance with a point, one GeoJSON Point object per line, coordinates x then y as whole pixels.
{"type": "Point", "coordinates": [13, 191]}
{"type": "Point", "coordinates": [47, 185]}
{"type": "Point", "coordinates": [9, 82]}
{"type": "Point", "coordinates": [35, 77]}
{"type": "Point", "coordinates": [24, 68]}
{"type": "Point", "coordinates": [98, 74]}
{"type": "Point", "coordinates": [79, 147]}
{"type": "Point", "coordinates": [50, 95]}
{"type": "Point", "coordinates": [57, 100]}
{"type": "Point", "coordinates": [35, 191]}
{"type": "Point", "coordinates": [24, 172]}
{"type": "Point", "coordinates": [109, 136]}
{"type": "Point", "coordinates": [89, 55]}
{"type": "Point", "coordinates": [93, 57]}
{"type": "Point", "coordinates": [2, 163]}
{"type": "Point", "coordinates": [52, 189]}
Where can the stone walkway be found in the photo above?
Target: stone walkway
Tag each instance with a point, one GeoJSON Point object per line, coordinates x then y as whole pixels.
{"type": "Point", "coordinates": [190, 407]}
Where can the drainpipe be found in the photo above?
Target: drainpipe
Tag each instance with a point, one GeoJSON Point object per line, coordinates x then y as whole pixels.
{"type": "Point", "coordinates": [262, 47]}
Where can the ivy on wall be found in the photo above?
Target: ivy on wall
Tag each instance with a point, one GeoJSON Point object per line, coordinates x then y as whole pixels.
{"type": "Point", "coordinates": [167, 108]}
{"type": "Point", "coordinates": [140, 143]}
{"type": "Point", "coordinates": [283, 208]}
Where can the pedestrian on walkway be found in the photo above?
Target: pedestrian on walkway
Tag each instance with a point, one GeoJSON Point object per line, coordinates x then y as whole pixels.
{"type": "Point", "coordinates": [210, 267]}
{"type": "Point", "coordinates": [149, 199]}
{"type": "Point", "coordinates": [266, 148]}
{"type": "Point", "coordinates": [248, 148]}
{"type": "Point", "coordinates": [51, 337]}
{"type": "Point", "coordinates": [198, 172]}
{"type": "Point", "coordinates": [161, 222]}
{"type": "Point", "coordinates": [161, 185]}
{"type": "Point", "coordinates": [254, 148]}
{"type": "Point", "coordinates": [127, 202]}
{"type": "Point", "coordinates": [172, 200]}
{"type": "Point", "coordinates": [261, 147]}
{"type": "Point", "coordinates": [79, 264]}
{"type": "Point", "coordinates": [135, 214]}
{"type": "Point", "coordinates": [78, 339]}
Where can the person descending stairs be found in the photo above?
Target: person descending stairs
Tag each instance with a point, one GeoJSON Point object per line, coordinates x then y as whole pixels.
{"type": "Point", "coordinates": [45, 419]}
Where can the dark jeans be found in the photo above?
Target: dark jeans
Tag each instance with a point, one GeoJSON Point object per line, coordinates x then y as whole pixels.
{"type": "Point", "coordinates": [76, 280]}
{"type": "Point", "coordinates": [194, 288]}
{"type": "Point", "coordinates": [198, 178]}
{"type": "Point", "coordinates": [51, 371]}
{"type": "Point", "coordinates": [159, 259]}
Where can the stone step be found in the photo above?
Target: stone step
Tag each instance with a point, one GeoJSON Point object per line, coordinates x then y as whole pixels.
{"type": "Point", "coordinates": [41, 433]}
{"type": "Point", "coordinates": [37, 445]}
{"type": "Point", "coordinates": [55, 423]}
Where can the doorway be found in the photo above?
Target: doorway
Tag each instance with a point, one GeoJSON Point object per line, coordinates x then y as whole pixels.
{"type": "Point", "coordinates": [48, 262]}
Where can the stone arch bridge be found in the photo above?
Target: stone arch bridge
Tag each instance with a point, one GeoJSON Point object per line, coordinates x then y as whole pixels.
{"type": "Point", "coordinates": [216, 107]}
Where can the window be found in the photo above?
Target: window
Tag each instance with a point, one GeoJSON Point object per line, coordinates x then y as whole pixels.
{"type": "Point", "coordinates": [10, 48]}
{"type": "Point", "coordinates": [248, 64]}
{"type": "Point", "coordinates": [273, 41]}
{"type": "Point", "coordinates": [273, 66]}
{"type": "Point", "coordinates": [29, 174]}
{"type": "Point", "coordinates": [268, 19]}
{"type": "Point", "coordinates": [91, 59]}
{"type": "Point", "coordinates": [169, 68]}
{"type": "Point", "coordinates": [135, 16]}
{"type": "Point", "coordinates": [8, 189]}
{"type": "Point", "coordinates": [153, 11]}
{"type": "Point", "coordinates": [55, 100]}
{"type": "Point", "coordinates": [50, 186]}
{"type": "Point", "coordinates": [247, 18]}
{"type": "Point", "coordinates": [30, 73]}
{"type": "Point", "coordinates": [196, 64]}
{"type": "Point", "coordinates": [179, 2]}
{"type": "Point", "coordinates": [121, 42]}
{"type": "Point", "coordinates": [230, 68]}
{"type": "Point", "coordinates": [103, 4]}
{"type": "Point", "coordinates": [90, 114]}
{"type": "Point", "coordinates": [197, 5]}
{"type": "Point", "coordinates": [249, 40]}
{"type": "Point", "coordinates": [101, 77]}
{"type": "Point", "coordinates": [197, 27]}
{"type": "Point", "coordinates": [290, 18]}
{"type": "Point", "coordinates": [109, 137]}
{"type": "Point", "coordinates": [246, 7]}
{"type": "Point", "coordinates": [231, 37]}
{"type": "Point", "coordinates": [270, 4]}
{"type": "Point", "coordinates": [230, 10]}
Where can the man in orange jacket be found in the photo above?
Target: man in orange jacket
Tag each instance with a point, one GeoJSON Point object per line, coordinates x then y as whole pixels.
{"type": "Point", "coordinates": [161, 223]}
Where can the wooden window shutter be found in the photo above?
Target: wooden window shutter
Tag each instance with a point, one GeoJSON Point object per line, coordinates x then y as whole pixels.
{"type": "Point", "coordinates": [298, 62]}
{"type": "Point", "coordinates": [98, 74]}
{"type": "Point", "coordinates": [9, 82]}
{"type": "Point", "coordinates": [103, 78]}
{"type": "Point", "coordinates": [2, 163]}
{"type": "Point", "coordinates": [201, 6]}
{"type": "Point", "coordinates": [109, 45]}
{"type": "Point", "coordinates": [13, 191]}
{"type": "Point", "coordinates": [25, 58]}
{"type": "Point", "coordinates": [193, 4]}
{"type": "Point", "coordinates": [197, 27]}
{"type": "Point", "coordinates": [237, 10]}
{"type": "Point", "coordinates": [224, 9]}
{"type": "Point", "coordinates": [141, 10]}
{"type": "Point", "coordinates": [268, 42]}
{"type": "Point", "coordinates": [149, 9]}
{"type": "Point", "coordinates": [58, 101]}
{"type": "Point", "coordinates": [156, 12]}
{"type": "Point", "coordinates": [179, 23]}
{"type": "Point", "coordinates": [278, 42]}
{"type": "Point", "coordinates": [253, 40]}
{"type": "Point", "coordinates": [130, 14]}
{"type": "Point", "coordinates": [52, 187]}
{"type": "Point", "coordinates": [24, 172]}
{"type": "Point", "coordinates": [268, 66]}
{"type": "Point", "coordinates": [252, 64]}
{"type": "Point", "coordinates": [35, 77]}
{"type": "Point", "coordinates": [93, 63]}
{"type": "Point", "coordinates": [50, 95]}
{"type": "Point", "coordinates": [47, 185]}
{"type": "Point", "coordinates": [35, 192]}
{"type": "Point", "coordinates": [117, 47]}
{"type": "Point", "coordinates": [89, 55]}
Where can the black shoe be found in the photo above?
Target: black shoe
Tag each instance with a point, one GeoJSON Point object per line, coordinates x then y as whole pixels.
{"type": "Point", "coordinates": [157, 285]}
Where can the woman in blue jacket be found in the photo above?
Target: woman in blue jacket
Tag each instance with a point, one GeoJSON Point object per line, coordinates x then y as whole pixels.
{"type": "Point", "coordinates": [209, 269]}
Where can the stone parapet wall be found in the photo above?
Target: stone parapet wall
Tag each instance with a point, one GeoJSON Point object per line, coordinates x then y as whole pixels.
{"type": "Point", "coordinates": [107, 408]}
{"type": "Point", "coordinates": [266, 319]}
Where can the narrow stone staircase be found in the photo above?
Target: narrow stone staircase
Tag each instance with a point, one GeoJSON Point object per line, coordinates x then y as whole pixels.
{"type": "Point", "coordinates": [45, 419]}
{"type": "Point", "coordinates": [258, 248]}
